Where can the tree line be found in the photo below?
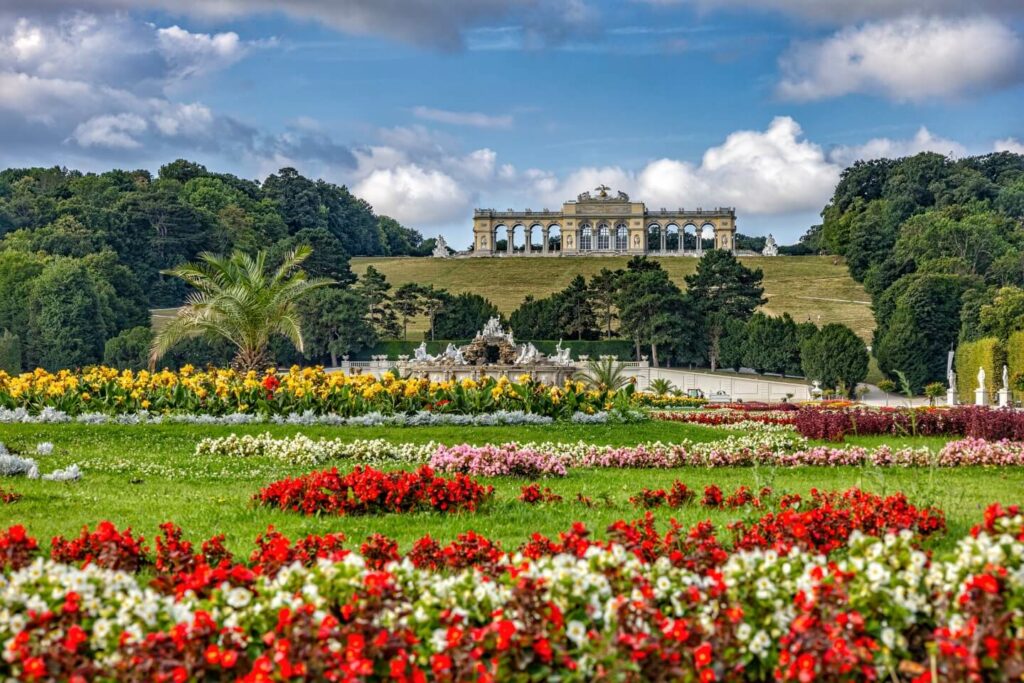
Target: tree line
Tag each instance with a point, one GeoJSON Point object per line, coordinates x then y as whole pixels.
{"type": "Point", "coordinates": [938, 244]}
{"type": "Point", "coordinates": [83, 256]}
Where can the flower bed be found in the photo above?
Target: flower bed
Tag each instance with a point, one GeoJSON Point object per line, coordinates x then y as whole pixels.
{"type": "Point", "coordinates": [221, 393]}
{"type": "Point", "coordinates": [651, 400]}
{"type": "Point", "coordinates": [972, 421]}
{"type": "Point", "coordinates": [678, 608]}
{"type": "Point", "coordinates": [733, 419]}
{"type": "Point", "coordinates": [365, 490]}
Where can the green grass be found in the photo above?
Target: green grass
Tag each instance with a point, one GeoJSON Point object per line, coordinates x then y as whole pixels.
{"type": "Point", "coordinates": [142, 476]}
{"type": "Point", "coordinates": [816, 288]}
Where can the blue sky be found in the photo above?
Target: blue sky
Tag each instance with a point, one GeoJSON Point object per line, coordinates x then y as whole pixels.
{"type": "Point", "coordinates": [428, 109]}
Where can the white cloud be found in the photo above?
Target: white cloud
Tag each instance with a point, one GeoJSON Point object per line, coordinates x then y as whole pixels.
{"type": "Point", "coordinates": [840, 11]}
{"type": "Point", "coordinates": [196, 54]}
{"type": "Point", "coordinates": [439, 24]}
{"type": "Point", "coordinates": [463, 118]}
{"type": "Point", "coordinates": [1009, 145]}
{"type": "Point", "coordinates": [877, 148]}
{"type": "Point", "coordinates": [911, 58]}
{"type": "Point", "coordinates": [117, 131]}
{"type": "Point", "coordinates": [415, 195]}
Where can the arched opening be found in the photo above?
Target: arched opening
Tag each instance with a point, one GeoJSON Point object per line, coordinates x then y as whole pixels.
{"type": "Point", "coordinates": [671, 237]}
{"type": "Point", "coordinates": [707, 234]}
{"type": "Point", "coordinates": [621, 237]}
{"type": "Point", "coordinates": [500, 239]}
{"type": "Point", "coordinates": [653, 237]}
{"type": "Point", "coordinates": [586, 237]}
{"type": "Point", "coordinates": [690, 240]}
{"type": "Point", "coordinates": [604, 237]}
{"type": "Point", "coordinates": [554, 237]}
{"type": "Point", "coordinates": [518, 239]}
{"type": "Point", "coordinates": [536, 240]}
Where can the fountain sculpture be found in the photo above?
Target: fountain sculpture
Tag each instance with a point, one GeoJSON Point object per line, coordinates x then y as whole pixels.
{"type": "Point", "coordinates": [492, 353]}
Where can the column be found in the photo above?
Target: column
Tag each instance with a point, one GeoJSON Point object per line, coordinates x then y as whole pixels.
{"type": "Point", "coordinates": [547, 236]}
{"type": "Point", "coordinates": [662, 235]}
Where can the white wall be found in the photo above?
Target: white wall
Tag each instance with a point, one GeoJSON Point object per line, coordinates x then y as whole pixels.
{"type": "Point", "coordinates": [753, 388]}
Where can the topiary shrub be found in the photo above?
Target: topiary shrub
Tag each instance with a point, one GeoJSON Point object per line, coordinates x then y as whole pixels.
{"type": "Point", "coordinates": [984, 353]}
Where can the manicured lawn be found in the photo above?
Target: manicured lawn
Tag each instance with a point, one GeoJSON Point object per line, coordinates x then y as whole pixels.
{"type": "Point", "coordinates": [816, 288]}
{"type": "Point", "coordinates": [142, 476]}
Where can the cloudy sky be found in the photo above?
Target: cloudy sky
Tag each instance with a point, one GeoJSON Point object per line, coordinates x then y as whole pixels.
{"type": "Point", "coordinates": [428, 108]}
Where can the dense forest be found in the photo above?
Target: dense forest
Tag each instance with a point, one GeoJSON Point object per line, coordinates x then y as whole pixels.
{"type": "Point", "coordinates": [82, 254]}
{"type": "Point", "coordinates": [939, 245]}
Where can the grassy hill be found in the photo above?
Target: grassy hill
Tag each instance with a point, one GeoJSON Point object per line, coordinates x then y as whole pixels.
{"type": "Point", "coordinates": [816, 288]}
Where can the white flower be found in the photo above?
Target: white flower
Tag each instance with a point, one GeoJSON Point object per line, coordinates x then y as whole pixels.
{"type": "Point", "coordinates": [576, 631]}
{"type": "Point", "coordinates": [238, 597]}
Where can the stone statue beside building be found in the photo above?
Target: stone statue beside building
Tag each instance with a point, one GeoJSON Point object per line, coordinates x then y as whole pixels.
{"type": "Point", "coordinates": [440, 248]}
{"type": "Point", "coordinates": [771, 248]}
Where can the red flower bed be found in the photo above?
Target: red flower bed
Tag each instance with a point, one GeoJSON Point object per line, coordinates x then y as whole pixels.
{"type": "Point", "coordinates": [752, 406]}
{"type": "Point", "coordinates": [365, 490]}
{"type": "Point", "coordinates": [981, 422]}
{"type": "Point", "coordinates": [16, 548]}
{"type": "Point", "coordinates": [533, 494]}
{"type": "Point", "coordinates": [106, 547]}
{"type": "Point", "coordinates": [718, 418]}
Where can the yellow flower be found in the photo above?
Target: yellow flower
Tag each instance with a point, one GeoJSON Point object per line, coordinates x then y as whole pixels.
{"type": "Point", "coordinates": [86, 397]}
{"type": "Point", "coordinates": [145, 404]}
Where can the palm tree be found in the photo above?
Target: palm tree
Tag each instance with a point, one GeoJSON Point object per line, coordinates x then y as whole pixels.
{"type": "Point", "coordinates": [604, 374]}
{"type": "Point", "coordinates": [236, 299]}
{"type": "Point", "coordinates": [661, 386]}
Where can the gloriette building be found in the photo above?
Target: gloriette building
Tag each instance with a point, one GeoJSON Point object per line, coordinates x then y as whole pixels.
{"type": "Point", "coordinates": [602, 223]}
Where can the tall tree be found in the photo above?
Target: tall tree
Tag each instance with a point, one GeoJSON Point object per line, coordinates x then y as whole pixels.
{"type": "Point", "coordinates": [335, 323]}
{"type": "Point", "coordinates": [655, 312]}
{"type": "Point", "coordinates": [408, 303]}
{"type": "Point", "coordinates": [374, 287]}
{"type": "Point", "coordinates": [835, 356]}
{"type": "Point", "coordinates": [66, 324]}
{"type": "Point", "coordinates": [603, 290]}
{"type": "Point", "coordinates": [723, 288]}
{"type": "Point", "coordinates": [463, 315]}
{"type": "Point", "coordinates": [576, 314]}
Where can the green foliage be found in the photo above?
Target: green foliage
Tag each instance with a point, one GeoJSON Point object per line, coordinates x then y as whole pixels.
{"type": "Point", "coordinates": [66, 324]}
{"type": "Point", "coordinates": [985, 353]}
{"type": "Point", "coordinates": [923, 327]}
{"type": "Point", "coordinates": [721, 289]}
{"type": "Point", "coordinates": [835, 356]}
{"type": "Point", "coordinates": [661, 386]}
{"type": "Point", "coordinates": [237, 299]}
{"type": "Point", "coordinates": [335, 324]}
{"type": "Point", "coordinates": [374, 288]}
{"type": "Point", "coordinates": [463, 315]}
{"type": "Point", "coordinates": [655, 312]}
{"type": "Point", "coordinates": [732, 343]}
{"type": "Point", "coordinates": [1003, 315]}
{"type": "Point", "coordinates": [771, 344]}
{"type": "Point", "coordinates": [603, 374]}
{"type": "Point", "coordinates": [329, 258]}
{"type": "Point", "coordinates": [1015, 360]}
{"type": "Point", "coordinates": [537, 319]}
{"type": "Point", "coordinates": [129, 350]}
{"type": "Point", "coordinates": [10, 353]}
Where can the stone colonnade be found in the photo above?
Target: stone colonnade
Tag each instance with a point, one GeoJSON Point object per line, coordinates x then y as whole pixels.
{"type": "Point", "coordinates": [601, 225]}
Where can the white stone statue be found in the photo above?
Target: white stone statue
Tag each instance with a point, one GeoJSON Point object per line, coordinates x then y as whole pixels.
{"type": "Point", "coordinates": [981, 377]}
{"type": "Point", "coordinates": [561, 355]}
{"type": "Point", "coordinates": [951, 380]}
{"type": "Point", "coordinates": [454, 354]}
{"type": "Point", "coordinates": [493, 328]}
{"type": "Point", "coordinates": [528, 353]}
{"type": "Point", "coordinates": [1006, 378]}
{"type": "Point", "coordinates": [770, 247]}
{"type": "Point", "coordinates": [421, 355]}
{"type": "Point", "coordinates": [440, 248]}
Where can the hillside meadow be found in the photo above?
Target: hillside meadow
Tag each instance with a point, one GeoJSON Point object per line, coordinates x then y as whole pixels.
{"type": "Point", "coordinates": [816, 288]}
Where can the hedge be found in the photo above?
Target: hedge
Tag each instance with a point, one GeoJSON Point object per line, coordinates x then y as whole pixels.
{"type": "Point", "coordinates": [1015, 361]}
{"type": "Point", "coordinates": [970, 356]}
{"type": "Point", "coordinates": [621, 348]}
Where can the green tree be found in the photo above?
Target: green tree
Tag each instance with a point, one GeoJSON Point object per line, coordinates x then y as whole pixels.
{"type": "Point", "coordinates": [10, 353]}
{"type": "Point", "coordinates": [655, 312]}
{"type": "Point", "coordinates": [129, 350]}
{"type": "Point", "coordinates": [604, 288]}
{"type": "Point", "coordinates": [335, 323]}
{"type": "Point", "coordinates": [537, 319]}
{"type": "Point", "coordinates": [1003, 315]}
{"type": "Point", "coordinates": [463, 315]}
{"type": "Point", "coordinates": [374, 287]}
{"type": "Point", "coordinates": [723, 288]}
{"type": "Point", "coordinates": [732, 343]}
{"type": "Point", "coordinates": [328, 260]}
{"type": "Point", "coordinates": [835, 356]}
{"type": "Point", "coordinates": [770, 344]}
{"type": "Point", "coordinates": [408, 303]}
{"type": "Point", "coordinates": [237, 299]}
{"type": "Point", "coordinates": [66, 325]}
{"type": "Point", "coordinates": [576, 315]}
{"type": "Point", "coordinates": [923, 327]}
{"type": "Point", "coordinates": [434, 300]}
